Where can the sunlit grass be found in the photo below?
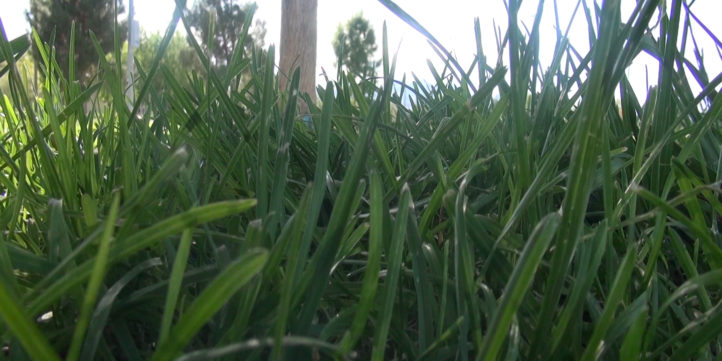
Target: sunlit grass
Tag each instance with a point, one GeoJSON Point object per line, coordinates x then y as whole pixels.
{"type": "Point", "coordinates": [515, 211]}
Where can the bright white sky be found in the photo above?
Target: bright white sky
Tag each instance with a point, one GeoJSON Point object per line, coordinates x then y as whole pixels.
{"type": "Point", "coordinates": [450, 21]}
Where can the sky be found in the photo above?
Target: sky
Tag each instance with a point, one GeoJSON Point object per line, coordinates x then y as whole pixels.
{"type": "Point", "coordinates": [450, 21]}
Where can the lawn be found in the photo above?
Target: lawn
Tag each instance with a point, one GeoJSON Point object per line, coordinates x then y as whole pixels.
{"type": "Point", "coordinates": [509, 211]}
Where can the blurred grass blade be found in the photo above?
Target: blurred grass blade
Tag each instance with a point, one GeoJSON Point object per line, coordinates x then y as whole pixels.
{"type": "Point", "coordinates": [613, 300]}
{"type": "Point", "coordinates": [180, 6]}
{"type": "Point", "coordinates": [169, 168]}
{"type": "Point", "coordinates": [319, 176]}
{"type": "Point", "coordinates": [707, 329]}
{"type": "Point", "coordinates": [13, 51]}
{"type": "Point", "coordinates": [373, 265]}
{"type": "Point", "coordinates": [98, 321]}
{"type": "Point", "coordinates": [136, 242]}
{"type": "Point", "coordinates": [288, 244]}
{"type": "Point", "coordinates": [174, 283]}
{"type": "Point", "coordinates": [324, 256]}
{"type": "Point", "coordinates": [267, 98]}
{"type": "Point", "coordinates": [445, 336]}
{"type": "Point", "coordinates": [213, 297]}
{"type": "Point", "coordinates": [18, 322]}
{"type": "Point", "coordinates": [632, 345]}
{"type": "Point", "coordinates": [280, 171]}
{"type": "Point", "coordinates": [518, 285]}
{"type": "Point", "coordinates": [254, 344]}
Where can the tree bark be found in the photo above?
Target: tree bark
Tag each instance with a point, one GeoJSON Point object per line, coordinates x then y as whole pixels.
{"type": "Point", "coordinates": [298, 44]}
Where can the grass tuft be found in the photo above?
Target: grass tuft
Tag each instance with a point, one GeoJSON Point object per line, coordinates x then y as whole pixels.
{"type": "Point", "coordinates": [516, 210]}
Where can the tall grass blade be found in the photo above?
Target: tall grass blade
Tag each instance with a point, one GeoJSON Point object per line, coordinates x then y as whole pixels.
{"type": "Point", "coordinates": [96, 278]}
{"type": "Point", "coordinates": [392, 275]}
{"type": "Point", "coordinates": [21, 326]}
{"type": "Point", "coordinates": [371, 275]}
{"type": "Point", "coordinates": [174, 283]}
{"type": "Point", "coordinates": [217, 293]}
{"type": "Point", "coordinates": [517, 286]}
{"type": "Point", "coordinates": [98, 321]}
{"type": "Point", "coordinates": [136, 242]}
{"type": "Point", "coordinates": [616, 293]}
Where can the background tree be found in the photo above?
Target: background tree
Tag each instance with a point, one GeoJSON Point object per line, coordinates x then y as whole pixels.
{"type": "Point", "coordinates": [97, 16]}
{"type": "Point", "coordinates": [298, 44]}
{"type": "Point", "coordinates": [355, 45]}
{"type": "Point", "coordinates": [227, 19]}
{"type": "Point", "coordinates": [179, 57]}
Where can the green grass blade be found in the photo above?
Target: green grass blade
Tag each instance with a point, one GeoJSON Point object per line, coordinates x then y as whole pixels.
{"type": "Point", "coordinates": [632, 345]}
{"type": "Point", "coordinates": [254, 344]}
{"type": "Point", "coordinates": [169, 168]}
{"type": "Point", "coordinates": [280, 172]}
{"type": "Point", "coordinates": [586, 148]}
{"type": "Point", "coordinates": [710, 329]}
{"type": "Point", "coordinates": [328, 247]}
{"type": "Point", "coordinates": [18, 322]}
{"type": "Point", "coordinates": [99, 320]}
{"type": "Point", "coordinates": [289, 243]}
{"type": "Point", "coordinates": [517, 286]}
{"type": "Point", "coordinates": [213, 297]}
{"type": "Point", "coordinates": [590, 259]}
{"type": "Point", "coordinates": [138, 241]}
{"type": "Point", "coordinates": [174, 283]}
{"type": "Point", "coordinates": [444, 337]}
{"type": "Point", "coordinates": [319, 175]}
{"type": "Point", "coordinates": [373, 265]}
{"type": "Point", "coordinates": [267, 100]}
{"type": "Point", "coordinates": [422, 283]}
{"type": "Point", "coordinates": [96, 279]}
{"type": "Point", "coordinates": [613, 300]}
{"type": "Point", "coordinates": [392, 275]}
{"type": "Point", "coordinates": [711, 249]}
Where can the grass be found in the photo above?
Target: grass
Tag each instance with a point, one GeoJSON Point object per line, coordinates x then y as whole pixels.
{"type": "Point", "coordinates": [515, 211]}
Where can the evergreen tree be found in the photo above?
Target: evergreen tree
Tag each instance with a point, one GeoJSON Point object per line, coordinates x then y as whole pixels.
{"type": "Point", "coordinates": [354, 46]}
{"type": "Point", "coordinates": [98, 16]}
{"type": "Point", "coordinates": [227, 19]}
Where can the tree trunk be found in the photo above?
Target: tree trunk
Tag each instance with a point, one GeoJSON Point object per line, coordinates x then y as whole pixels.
{"type": "Point", "coordinates": [298, 44]}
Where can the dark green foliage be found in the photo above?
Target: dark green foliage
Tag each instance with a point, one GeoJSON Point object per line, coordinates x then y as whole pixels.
{"type": "Point", "coordinates": [355, 45]}
{"type": "Point", "coordinates": [52, 20]}
{"type": "Point", "coordinates": [219, 24]}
